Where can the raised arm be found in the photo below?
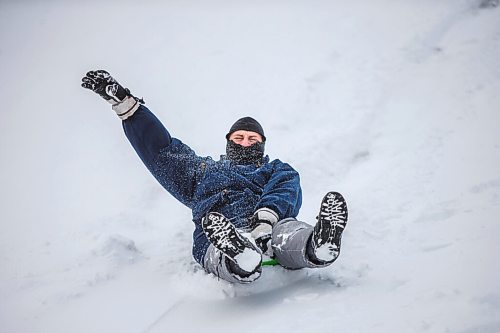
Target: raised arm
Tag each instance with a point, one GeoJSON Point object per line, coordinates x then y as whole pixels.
{"type": "Point", "coordinates": [170, 161]}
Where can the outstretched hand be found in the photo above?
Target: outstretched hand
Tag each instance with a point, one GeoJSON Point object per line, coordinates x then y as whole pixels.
{"type": "Point", "coordinates": [102, 83]}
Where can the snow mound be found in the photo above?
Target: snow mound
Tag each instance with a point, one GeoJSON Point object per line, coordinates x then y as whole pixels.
{"type": "Point", "coordinates": [119, 250]}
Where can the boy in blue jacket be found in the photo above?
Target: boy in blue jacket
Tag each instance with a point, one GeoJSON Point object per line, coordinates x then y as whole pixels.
{"type": "Point", "coordinates": [243, 205]}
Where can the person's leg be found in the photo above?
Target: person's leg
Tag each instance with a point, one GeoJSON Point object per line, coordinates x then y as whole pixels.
{"type": "Point", "coordinates": [230, 255]}
{"type": "Point", "coordinates": [289, 242]}
{"type": "Point", "coordinates": [218, 264]}
{"type": "Point", "coordinates": [297, 244]}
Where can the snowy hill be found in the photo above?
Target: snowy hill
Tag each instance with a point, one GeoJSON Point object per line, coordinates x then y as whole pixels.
{"type": "Point", "coordinates": [393, 103]}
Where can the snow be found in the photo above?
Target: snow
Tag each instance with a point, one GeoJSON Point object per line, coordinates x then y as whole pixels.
{"type": "Point", "coordinates": [394, 104]}
{"type": "Point", "coordinates": [248, 260]}
{"type": "Point", "coordinates": [326, 252]}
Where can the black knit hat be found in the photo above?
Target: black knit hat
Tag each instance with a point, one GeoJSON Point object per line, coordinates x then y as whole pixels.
{"type": "Point", "coordinates": [247, 124]}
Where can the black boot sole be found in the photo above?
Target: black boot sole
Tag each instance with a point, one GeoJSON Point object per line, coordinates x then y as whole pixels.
{"type": "Point", "coordinates": [224, 237]}
{"type": "Point", "coordinates": [327, 234]}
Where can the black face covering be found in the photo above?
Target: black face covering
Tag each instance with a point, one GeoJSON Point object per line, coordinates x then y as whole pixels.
{"type": "Point", "coordinates": [244, 155]}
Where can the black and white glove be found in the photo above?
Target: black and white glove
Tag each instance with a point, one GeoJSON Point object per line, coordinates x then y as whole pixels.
{"type": "Point", "coordinates": [262, 223]}
{"type": "Point", "coordinates": [102, 83]}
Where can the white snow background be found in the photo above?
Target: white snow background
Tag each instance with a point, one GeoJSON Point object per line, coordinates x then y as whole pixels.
{"type": "Point", "coordinates": [393, 103]}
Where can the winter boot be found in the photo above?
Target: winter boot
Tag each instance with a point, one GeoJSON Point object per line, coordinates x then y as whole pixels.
{"type": "Point", "coordinates": [102, 83]}
{"type": "Point", "coordinates": [324, 245]}
{"type": "Point", "coordinates": [244, 257]}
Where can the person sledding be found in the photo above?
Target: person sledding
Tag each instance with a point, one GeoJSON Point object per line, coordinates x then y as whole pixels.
{"type": "Point", "coordinates": [244, 205]}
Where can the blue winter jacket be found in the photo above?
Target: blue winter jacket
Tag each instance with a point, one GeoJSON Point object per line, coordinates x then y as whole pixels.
{"type": "Point", "coordinates": [205, 185]}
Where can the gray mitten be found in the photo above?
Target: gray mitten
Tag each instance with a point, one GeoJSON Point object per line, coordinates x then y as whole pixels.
{"type": "Point", "coordinates": [262, 227]}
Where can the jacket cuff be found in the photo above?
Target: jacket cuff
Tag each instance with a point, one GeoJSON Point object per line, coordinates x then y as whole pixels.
{"type": "Point", "coordinates": [126, 108]}
{"type": "Point", "coordinates": [267, 214]}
